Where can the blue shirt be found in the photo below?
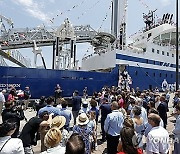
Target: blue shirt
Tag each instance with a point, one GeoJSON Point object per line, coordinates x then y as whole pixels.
{"type": "Point", "coordinates": [50, 110]}
{"type": "Point", "coordinates": [114, 123]}
{"type": "Point", "coordinates": [67, 114]}
{"type": "Point", "coordinates": [176, 131]}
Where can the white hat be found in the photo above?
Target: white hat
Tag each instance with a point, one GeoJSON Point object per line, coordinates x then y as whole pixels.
{"type": "Point", "coordinates": [132, 97]}
{"type": "Point", "coordinates": [82, 119]}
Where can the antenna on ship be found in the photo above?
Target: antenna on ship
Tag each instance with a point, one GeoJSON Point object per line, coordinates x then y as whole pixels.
{"type": "Point", "coordinates": [149, 19]}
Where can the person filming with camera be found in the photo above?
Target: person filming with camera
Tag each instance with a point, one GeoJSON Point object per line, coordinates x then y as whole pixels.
{"type": "Point", "coordinates": [13, 112]}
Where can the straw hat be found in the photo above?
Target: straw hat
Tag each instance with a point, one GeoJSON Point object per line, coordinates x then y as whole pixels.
{"type": "Point", "coordinates": [58, 121]}
{"type": "Point", "coordinates": [82, 119]}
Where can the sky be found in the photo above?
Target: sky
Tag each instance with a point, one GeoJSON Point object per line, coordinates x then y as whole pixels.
{"type": "Point", "coordinates": [97, 13]}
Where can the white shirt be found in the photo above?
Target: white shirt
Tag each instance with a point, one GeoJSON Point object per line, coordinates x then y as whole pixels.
{"type": "Point", "coordinates": [176, 131]}
{"type": "Point", "coordinates": [13, 146]}
{"type": "Point", "coordinates": [158, 141]}
{"type": "Point", "coordinates": [56, 150]}
{"type": "Point", "coordinates": [2, 98]}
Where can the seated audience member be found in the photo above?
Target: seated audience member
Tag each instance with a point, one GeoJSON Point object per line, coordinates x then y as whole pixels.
{"type": "Point", "coordinates": [9, 145]}
{"type": "Point", "coordinates": [52, 142]}
{"type": "Point", "coordinates": [128, 139]}
{"type": "Point", "coordinates": [158, 137]}
{"type": "Point", "coordinates": [30, 130]}
{"type": "Point", "coordinates": [75, 145]}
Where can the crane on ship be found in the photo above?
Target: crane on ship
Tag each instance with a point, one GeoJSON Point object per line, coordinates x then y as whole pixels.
{"type": "Point", "coordinates": [66, 34]}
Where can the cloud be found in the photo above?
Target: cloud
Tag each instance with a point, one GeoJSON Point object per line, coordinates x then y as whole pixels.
{"type": "Point", "coordinates": [34, 9]}
{"type": "Point", "coordinates": [165, 2]}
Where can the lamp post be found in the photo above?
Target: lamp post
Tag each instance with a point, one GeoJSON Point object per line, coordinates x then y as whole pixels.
{"type": "Point", "coordinates": [177, 54]}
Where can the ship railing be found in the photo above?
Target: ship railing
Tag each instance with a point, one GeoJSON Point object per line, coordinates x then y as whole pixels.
{"type": "Point", "coordinates": [16, 55]}
{"type": "Point", "coordinates": [23, 37]}
{"type": "Point", "coordinates": [2, 62]}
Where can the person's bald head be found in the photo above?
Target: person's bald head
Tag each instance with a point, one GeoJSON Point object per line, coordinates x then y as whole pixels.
{"type": "Point", "coordinates": [154, 119]}
{"type": "Point", "coordinates": [114, 105]}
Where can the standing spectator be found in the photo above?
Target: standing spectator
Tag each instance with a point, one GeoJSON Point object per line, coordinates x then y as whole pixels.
{"type": "Point", "coordinates": [92, 124]}
{"type": "Point", "coordinates": [75, 145]}
{"type": "Point", "coordinates": [30, 130]}
{"type": "Point", "coordinates": [27, 96]}
{"type": "Point", "coordinates": [49, 107]}
{"type": "Point", "coordinates": [148, 126]}
{"type": "Point", "coordinates": [41, 104]}
{"type": "Point", "coordinates": [162, 109]}
{"type": "Point", "coordinates": [113, 125]}
{"type": "Point", "coordinates": [2, 100]}
{"type": "Point", "coordinates": [105, 110]}
{"type": "Point", "coordinates": [94, 108]}
{"type": "Point", "coordinates": [57, 94]}
{"type": "Point", "coordinates": [128, 147]}
{"type": "Point", "coordinates": [84, 130]}
{"type": "Point", "coordinates": [9, 145]}
{"type": "Point", "coordinates": [66, 113]}
{"type": "Point", "coordinates": [52, 140]}
{"type": "Point", "coordinates": [13, 112]}
{"type": "Point", "coordinates": [176, 131]}
{"type": "Point", "coordinates": [176, 99]}
{"type": "Point", "coordinates": [85, 93]}
{"type": "Point", "coordinates": [76, 105]}
{"type": "Point", "coordinates": [158, 137]}
{"type": "Point", "coordinates": [12, 95]}
{"type": "Point", "coordinates": [59, 122]}
{"type": "Point", "coordinates": [84, 108]}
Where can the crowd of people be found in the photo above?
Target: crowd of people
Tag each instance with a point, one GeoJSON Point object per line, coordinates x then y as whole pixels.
{"type": "Point", "coordinates": [131, 121]}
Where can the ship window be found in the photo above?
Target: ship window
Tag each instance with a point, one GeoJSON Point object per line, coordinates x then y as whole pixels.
{"type": "Point", "coordinates": [154, 62]}
{"type": "Point", "coordinates": [167, 53]}
{"type": "Point", "coordinates": [90, 78]}
{"type": "Point", "coordinates": [157, 51]}
{"type": "Point", "coordinates": [160, 74]}
{"type": "Point", "coordinates": [144, 49]}
{"type": "Point", "coordinates": [147, 61]}
{"type": "Point", "coordinates": [152, 50]}
{"type": "Point", "coordinates": [172, 55]}
{"type": "Point", "coordinates": [136, 73]}
{"type": "Point", "coordinates": [146, 73]}
{"type": "Point", "coordinates": [149, 35]}
{"type": "Point", "coordinates": [162, 52]}
{"type": "Point", "coordinates": [166, 75]}
{"type": "Point", "coordinates": [154, 74]}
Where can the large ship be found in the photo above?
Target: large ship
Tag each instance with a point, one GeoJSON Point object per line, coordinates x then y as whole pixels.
{"type": "Point", "coordinates": [147, 62]}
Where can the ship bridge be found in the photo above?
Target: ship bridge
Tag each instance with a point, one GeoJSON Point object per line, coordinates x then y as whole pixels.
{"type": "Point", "coordinates": [167, 37]}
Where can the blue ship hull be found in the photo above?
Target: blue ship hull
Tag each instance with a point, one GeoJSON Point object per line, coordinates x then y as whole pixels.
{"type": "Point", "coordinates": [42, 82]}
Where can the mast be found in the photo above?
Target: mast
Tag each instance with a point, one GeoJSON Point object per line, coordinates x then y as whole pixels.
{"type": "Point", "coordinates": [177, 55]}
{"type": "Point", "coordinates": [118, 21]}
